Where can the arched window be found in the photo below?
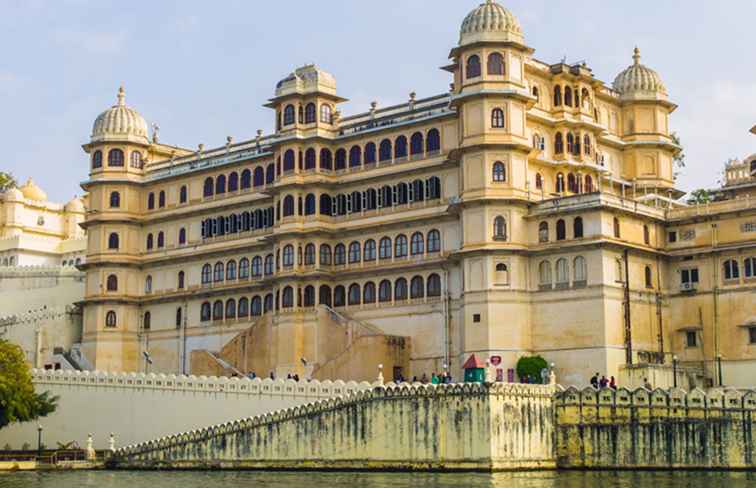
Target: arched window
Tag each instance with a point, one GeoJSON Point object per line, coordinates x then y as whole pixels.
{"type": "Point", "coordinates": [325, 255]}
{"type": "Point", "coordinates": [384, 248]}
{"type": "Point", "coordinates": [562, 272]}
{"type": "Point", "coordinates": [434, 241]}
{"type": "Point", "coordinates": [536, 94]}
{"type": "Point", "coordinates": [384, 291]}
{"type": "Point", "coordinates": [749, 266]}
{"type": "Point", "coordinates": [400, 289]}
{"type": "Point", "coordinates": [434, 285]}
{"type": "Point", "coordinates": [231, 270]}
{"type": "Point", "coordinates": [113, 241]}
{"type": "Point", "coordinates": [354, 252]}
{"type": "Point", "coordinates": [97, 159]}
{"type": "Point", "coordinates": [341, 157]}
{"type": "Point", "coordinates": [288, 161]}
{"type": "Point", "coordinates": [500, 228]}
{"type": "Point", "coordinates": [354, 294]}
{"type": "Point", "coordinates": [384, 150]}
{"type": "Point", "coordinates": [218, 271]}
{"type": "Point", "coordinates": [539, 181]}
{"type": "Point", "coordinates": [268, 303]}
{"type": "Point", "coordinates": [256, 267]}
{"type": "Point", "coordinates": [417, 244]}
{"type": "Point", "coordinates": [112, 283]}
{"type": "Point", "coordinates": [370, 153]}
{"type": "Point", "coordinates": [499, 172]}
{"type": "Point", "coordinates": [220, 184]}
{"type": "Point", "coordinates": [339, 296]}
{"type": "Point", "coordinates": [368, 293]}
{"type": "Point", "coordinates": [325, 204]}
{"type": "Point", "coordinates": [310, 113]}
{"type": "Point", "coordinates": [325, 113]}
{"type": "Point", "coordinates": [243, 268]}
{"type": "Point", "coordinates": [160, 240]}
{"type": "Point", "coordinates": [473, 66]}
{"type": "Point", "coordinates": [180, 281]}
{"type": "Point", "coordinates": [161, 199]}
{"type": "Point", "coordinates": [568, 96]}
{"type": "Point", "coordinates": [400, 147]}
{"type": "Point", "coordinates": [495, 64]}
{"type": "Point", "coordinates": [115, 199]}
{"type": "Point", "coordinates": [183, 194]}
{"type": "Point", "coordinates": [270, 173]}
{"type": "Point", "coordinates": [417, 146]}
{"type": "Point", "coordinates": [147, 321]}
{"type": "Point", "coordinates": [243, 307]}
{"type": "Point", "coordinates": [233, 182]}
{"type": "Point", "coordinates": [309, 296]}
{"type": "Point", "coordinates": [310, 162]}
{"type": "Point", "coordinates": [558, 143]}
{"type": "Point", "coordinates": [289, 115]}
{"type": "Point", "coordinates": [557, 95]}
{"type": "Point", "coordinates": [400, 246]}
{"type": "Point", "coordinates": [497, 118]}
{"type": "Point", "coordinates": [580, 271]}
{"type": "Point", "coordinates": [561, 230]}
{"type": "Point", "coordinates": [288, 206]}
{"type": "Point", "coordinates": [208, 187]}
{"type": "Point", "coordinates": [587, 144]}
{"type": "Point", "coordinates": [646, 235]}
{"type": "Point", "coordinates": [207, 271]}
{"type": "Point", "coordinates": [433, 142]}
{"type": "Point", "coordinates": [205, 312]}
{"type": "Point", "coordinates": [115, 157]}
{"type": "Point", "coordinates": [256, 306]}
{"type": "Point", "coordinates": [588, 184]}
{"type": "Point", "coordinates": [179, 315]}
{"type": "Point", "coordinates": [258, 177]}
{"type": "Point", "coordinates": [149, 241]}
{"type": "Point", "coordinates": [544, 273]}
{"type": "Point", "coordinates": [148, 284]}
{"type": "Point", "coordinates": [230, 309]}
{"type": "Point", "coordinates": [182, 236]}
{"type": "Point", "coordinates": [572, 183]}
{"type": "Point", "coordinates": [543, 232]}
{"type": "Point", "coordinates": [369, 250]}
{"type": "Point", "coordinates": [577, 227]}
{"type": "Point", "coordinates": [648, 275]}
{"type": "Point", "coordinates": [324, 295]}
{"type": "Point", "coordinates": [309, 255]}
{"type": "Point", "coordinates": [731, 271]}
{"type": "Point", "coordinates": [417, 287]}
{"type": "Point", "coordinates": [136, 160]}
{"type": "Point", "coordinates": [151, 201]}
{"type": "Point", "coordinates": [570, 143]}
{"type": "Point", "coordinates": [418, 191]}
{"type": "Point", "coordinates": [339, 255]}
{"type": "Point", "coordinates": [559, 183]}
{"type": "Point", "coordinates": [326, 159]}
{"type": "Point", "coordinates": [218, 310]}
{"type": "Point", "coordinates": [110, 319]}
{"type": "Point", "coordinates": [288, 256]}
{"type": "Point", "coordinates": [355, 156]}
{"type": "Point", "coordinates": [246, 179]}
{"type": "Point", "coordinates": [616, 226]}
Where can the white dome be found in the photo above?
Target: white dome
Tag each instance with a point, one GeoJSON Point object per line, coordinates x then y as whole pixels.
{"type": "Point", "coordinates": [75, 205]}
{"type": "Point", "coordinates": [490, 22]}
{"type": "Point", "coordinates": [307, 79]}
{"type": "Point", "coordinates": [31, 191]}
{"type": "Point", "coordinates": [639, 79]}
{"type": "Point", "coordinates": [120, 123]}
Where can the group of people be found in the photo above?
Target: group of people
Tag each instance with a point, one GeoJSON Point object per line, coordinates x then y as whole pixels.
{"type": "Point", "coordinates": [444, 378]}
{"type": "Point", "coordinates": [603, 382]}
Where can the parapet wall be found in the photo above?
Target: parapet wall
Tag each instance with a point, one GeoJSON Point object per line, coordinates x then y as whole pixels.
{"type": "Point", "coordinates": [137, 407]}
{"type": "Point", "coordinates": [446, 427]}
{"type": "Point", "coordinates": [644, 429]}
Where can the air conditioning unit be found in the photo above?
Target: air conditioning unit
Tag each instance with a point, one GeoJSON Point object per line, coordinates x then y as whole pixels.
{"type": "Point", "coordinates": [687, 286]}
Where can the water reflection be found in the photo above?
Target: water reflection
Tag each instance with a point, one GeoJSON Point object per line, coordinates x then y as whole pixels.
{"type": "Point", "coordinates": [547, 479]}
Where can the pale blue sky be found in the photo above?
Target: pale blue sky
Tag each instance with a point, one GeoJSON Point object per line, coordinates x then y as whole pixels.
{"type": "Point", "coordinates": [202, 70]}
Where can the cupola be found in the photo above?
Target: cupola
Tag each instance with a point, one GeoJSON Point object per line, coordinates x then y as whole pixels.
{"type": "Point", "coordinates": [31, 191]}
{"type": "Point", "coordinates": [638, 80]}
{"type": "Point", "coordinates": [490, 22]}
{"type": "Point", "coordinates": [120, 123]}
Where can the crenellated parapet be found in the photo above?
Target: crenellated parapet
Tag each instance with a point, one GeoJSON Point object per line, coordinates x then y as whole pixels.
{"type": "Point", "coordinates": [39, 271]}
{"type": "Point", "coordinates": [675, 399]}
{"type": "Point", "coordinates": [36, 316]}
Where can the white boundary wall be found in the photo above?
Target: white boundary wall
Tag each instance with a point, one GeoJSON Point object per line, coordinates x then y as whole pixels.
{"type": "Point", "coordinates": [138, 407]}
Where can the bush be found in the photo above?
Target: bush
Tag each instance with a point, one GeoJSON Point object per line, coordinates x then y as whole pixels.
{"type": "Point", "coordinates": [530, 368]}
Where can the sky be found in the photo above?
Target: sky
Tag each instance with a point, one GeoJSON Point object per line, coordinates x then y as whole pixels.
{"type": "Point", "coordinates": [202, 70]}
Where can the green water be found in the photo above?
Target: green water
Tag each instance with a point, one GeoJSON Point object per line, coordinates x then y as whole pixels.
{"type": "Point", "coordinates": [227, 479]}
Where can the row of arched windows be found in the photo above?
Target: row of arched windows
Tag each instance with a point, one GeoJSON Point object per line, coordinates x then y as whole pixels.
{"type": "Point", "coordinates": [161, 198]}
{"type": "Point", "coordinates": [362, 200]}
{"type": "Point", "coordinates": [573, 144]}
{"type": "Point", "coordinates": [262, 218]}
{"type": "Point", "coordinates": [571, 96]}
{"type": "Point", "coordinates": [355, 294]}
{"type": "Point", "coordinates": [234, 182]}
{"type": "Point", "coordinates": [495, 65]}
{"type": "Point", "coordinates": [305, 115]}
{"type": "Point", "coordinates": [117, 159]}
{"type": "Point", "coordinates": [561, 230]}
{"type": "Point", "coordinates": [574, 183]}
{"type": "Point", "coordinates": [731, 268]}
{"type": "Point", "coordinates": [561, 273]}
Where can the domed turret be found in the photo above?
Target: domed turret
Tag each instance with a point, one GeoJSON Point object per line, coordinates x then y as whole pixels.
{"type": "Point", "coordinates": [305, 80]}
{"type": "Point", "coordinates": [639, 80]}
{"type": "Point", "coordinates": [490, 22]}
{"type": "Point", "coordinates": [31, 191]}
{"type": "Point", "coordinates": [75, 205]}
{"type": "Point", "coordinates": [120, 123]}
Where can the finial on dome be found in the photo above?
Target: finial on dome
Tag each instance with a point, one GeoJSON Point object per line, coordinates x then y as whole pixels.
{"type": "Point", "coordinates": [636, 55]}
{"type": "Point", "coordinates": [121, 96]}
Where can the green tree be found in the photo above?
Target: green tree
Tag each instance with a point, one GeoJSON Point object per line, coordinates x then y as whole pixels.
{"type": "Point", "coordinates": [531, 367]}
{"type": "Point", "coordinates": [700, 196]}
{"type": "Point", "coordinates": [7, 181]}
{"type": "Point", "coordinates": [18, 400]}
{"type": "Point", "coordinates": [678, 159]}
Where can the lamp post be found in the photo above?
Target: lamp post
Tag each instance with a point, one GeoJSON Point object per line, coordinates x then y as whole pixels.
{"type": "Point", "coordinates": [39, 440]}
{"type": "Point", "coordinates": [719, 367]}
{"type": "Point", "coordinates": [674, 371]}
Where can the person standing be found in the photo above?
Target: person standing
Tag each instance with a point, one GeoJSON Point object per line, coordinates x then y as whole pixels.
{"type": "Point", "coordinates": [594, 381]}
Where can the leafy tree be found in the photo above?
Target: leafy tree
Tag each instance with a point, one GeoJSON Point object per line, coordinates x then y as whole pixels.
{"type": "Point", "coordinates": [18, 400]}
{"type": "Point", "coordinates": [7, 181]}
{"type": "Point", "coordinates": [530, 368]}
{"type": "Point", "coordinates": [679, 159]}
{"type": "Point", "coordinates": [700, 196]}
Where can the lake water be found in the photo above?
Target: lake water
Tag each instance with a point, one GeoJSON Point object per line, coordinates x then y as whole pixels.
{"type": "Point", "coordinates": [228, 479]}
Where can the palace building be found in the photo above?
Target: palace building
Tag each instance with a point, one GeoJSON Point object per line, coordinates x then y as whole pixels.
{"type": "Point", "coordinates": [529, 210]}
